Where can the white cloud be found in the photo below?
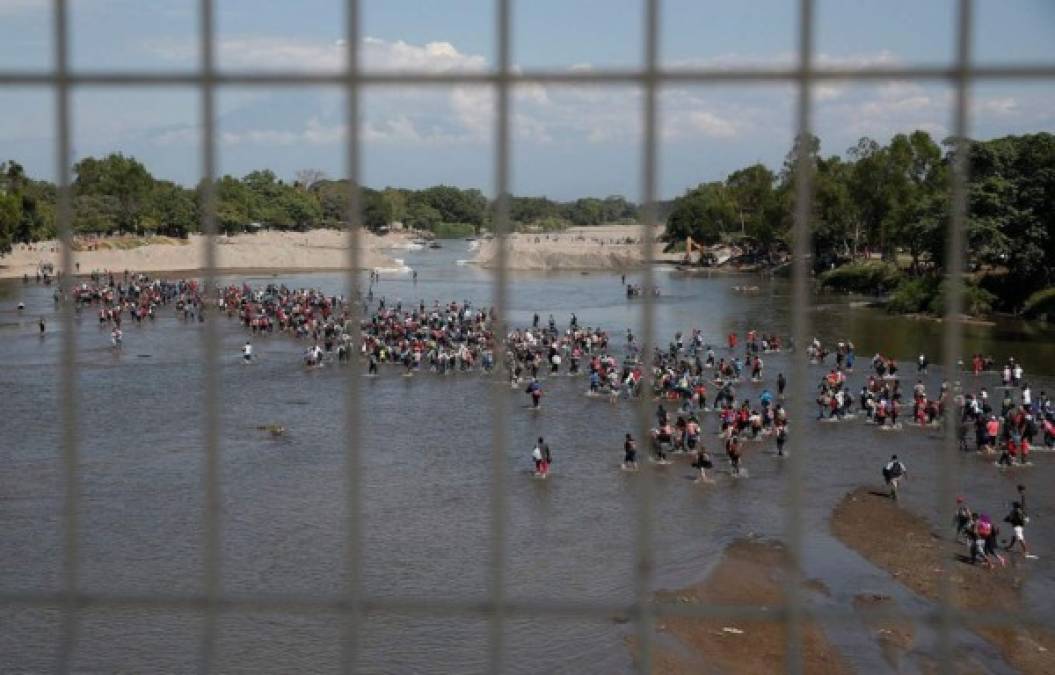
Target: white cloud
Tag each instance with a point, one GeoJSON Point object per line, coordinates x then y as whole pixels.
{"type": "Point", "coordinates": [733, 61]}
{"type": "Point", "coordinates": [281, 53]}
{"type": "Point", "coordinates": [881, 111]}
{"type": "Point", "coordinates": [996, 105]}
{"type": "Point", "coordinates": [542, 114]}
{"type": "Point", "coordinates": [712, 125]}
{"type": "Point", "coordinates": [314, 132]}
{"type": "Point", "coordinates": [178, 137]}
{"type": "Point", "coordinates": [378, 54]}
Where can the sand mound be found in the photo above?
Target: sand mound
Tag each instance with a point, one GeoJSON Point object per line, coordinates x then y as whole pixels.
{"type": "Point", "coordinates": [578, 248]}
{"type": "Point", "coordinates": [312, 250]}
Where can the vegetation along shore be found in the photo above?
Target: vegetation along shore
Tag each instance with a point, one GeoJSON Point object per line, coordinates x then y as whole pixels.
{"type": "Point", "coordinates": [879, 218]}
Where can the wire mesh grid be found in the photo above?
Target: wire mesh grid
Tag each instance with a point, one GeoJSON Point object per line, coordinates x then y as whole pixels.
{"type": "Point", "coordinates": [354, 603]}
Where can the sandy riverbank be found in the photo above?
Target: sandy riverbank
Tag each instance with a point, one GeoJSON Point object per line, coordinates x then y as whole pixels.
{"type": "Point", "coordinates": [287, 251]}
{"type": "Point", "coordinates": [903, 544]}
{"type": "Point", "coordinates": [753, 574]}
{"type": "Point", "coordinates": [606, 247]}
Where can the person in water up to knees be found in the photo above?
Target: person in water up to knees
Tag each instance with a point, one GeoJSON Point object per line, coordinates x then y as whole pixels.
{"type": "Point", "coordinates": [629, 453]}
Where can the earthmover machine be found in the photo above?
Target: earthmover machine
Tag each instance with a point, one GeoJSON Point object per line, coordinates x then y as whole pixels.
{"type": "Point", "coordinates": [692, 247]}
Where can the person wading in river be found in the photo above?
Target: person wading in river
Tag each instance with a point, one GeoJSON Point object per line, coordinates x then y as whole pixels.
{"type": "Point", "coordinates": [629, 453]}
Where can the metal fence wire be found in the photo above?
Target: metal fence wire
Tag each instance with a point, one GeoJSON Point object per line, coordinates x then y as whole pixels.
{"type": "Point", "coordinates": [354, 604]}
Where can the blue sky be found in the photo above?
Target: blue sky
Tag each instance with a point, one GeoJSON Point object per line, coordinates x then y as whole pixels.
{"type": "Point", "coordinates": [568, 141]}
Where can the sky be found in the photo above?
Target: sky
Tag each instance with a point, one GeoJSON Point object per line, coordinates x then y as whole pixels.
{"type": "Point", "coordinates": [568, 141]}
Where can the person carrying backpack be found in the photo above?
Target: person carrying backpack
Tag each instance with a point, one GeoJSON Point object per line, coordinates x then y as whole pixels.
{"type": "Point", "coordinates": [893, 472]}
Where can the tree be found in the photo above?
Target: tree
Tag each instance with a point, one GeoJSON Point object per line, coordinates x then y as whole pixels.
{"type": "Point", "coordinates": [1013, 191]}
{"type": "Point", "coordinates": [869, 189]}
{"type": "Point", "coordinates": [375, 215]}
{"type": "Point", "coordinates": [834, 237]}
{"type": "Point", "coordinates": [307, 178]}
{"type": "Point", "coordinates": [752, 195]}
{"type": "Point", "coordinates": [394, 202]}
{"type": "Point", "coordinates": [234, 204]}
{"type": "Point", "coordinates": [527, 210]}
{"type": "Point", "coordinates": [586, 211]}
{"type": "Point", "coordinates": [332, 196]}
{"type": "Point", "coordinates": [10, 216]}
{"type": "Point", "coordinates": [455, 205]}
{"type": "Point", "coordinates": [96, 214]}
{"type": "Point", "coordinates": [916, 184]}
{"type": "Point", "coordinates": [421, 216]}
{"type": "Point", "coordinates": [171, 210]}
{"type": "Point", "coordinates": [35, 201]}
{"type": "Point", "coordinates": [808, 148]}
{"type": "Point", "coordinates": [703, 213]}
{"type": "Point", "coordinates": [119, 178]}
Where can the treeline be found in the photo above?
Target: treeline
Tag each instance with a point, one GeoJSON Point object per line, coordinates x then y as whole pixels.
{"type": "Point", "coordinates": [118, 195]}
{"type": "Point", "coordinates": [881, 212]}
{"type": "Point", "coordinates": [878, 223]}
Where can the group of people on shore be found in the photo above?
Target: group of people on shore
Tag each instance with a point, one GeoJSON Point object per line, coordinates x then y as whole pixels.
{"type": "Point", "coordinates": [982, 534]}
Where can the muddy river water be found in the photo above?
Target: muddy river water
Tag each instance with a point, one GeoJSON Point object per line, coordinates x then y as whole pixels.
{"type": "Point", "coordinates": [426, 466]}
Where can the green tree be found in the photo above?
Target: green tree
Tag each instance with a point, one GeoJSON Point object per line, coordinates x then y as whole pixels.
{"type": "Point", "coordinates": [1012, 192]}
{"type": "Point", "coordinates": [703, 213]}
{"type": "Point", "coordinates": [455, 205]}
{"type": "Point", "coordinates": [869, 191]}
{"type": "Point", "coordinates": [395, 204]}
{"type": "Point", "coordinates": [332, 196]}
{"type": "Point", "coordinates": [10, 217]}
{"type": "Point", "coordinates": [755, 200]}
{"type": "Point", "coordinates": [833, 213]}
{"type": "Point", "coordinates": [421, 216]}
{"type": "Point", "coordinates": [171, 210]}
{"type": "Point", "coordinates": [234, 204]}
{"type": "Point", "coordinates": [915, 177]}
{"type": "Point", "coordinates": [122, 179]}
{"type": "Point", "coordinates": [97, 214]}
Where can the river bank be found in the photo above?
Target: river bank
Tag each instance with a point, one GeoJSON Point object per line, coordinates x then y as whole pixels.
{"type": "Point", "coordinates": [314, 250]}
{"type": "Point", "coordinates": [605, 247]}
{"type": "Point", "coordinates": [907, 548]}
{"type": "Point", "coordinates": [751, 573]}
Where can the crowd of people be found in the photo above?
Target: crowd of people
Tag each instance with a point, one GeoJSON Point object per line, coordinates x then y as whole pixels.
{"type": "Point", "coordinates": [688, 379]}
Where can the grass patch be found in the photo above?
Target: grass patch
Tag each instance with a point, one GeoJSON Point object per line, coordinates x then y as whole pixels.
{"type": "Point", "coordinates": [873, 276]}
{"type": "Point", "coordinates": [125, 243]}
{"type": "Point", "coordinates": [453, 230]}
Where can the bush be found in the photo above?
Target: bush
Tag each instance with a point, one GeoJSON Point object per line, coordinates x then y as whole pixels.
{"type": "Point", "coordinates": [976, 300]}
{"type": "Point", "coordinates": [865, 277]}
{"type": "Point", "coordinates": [1040, 304]}
{"type": "Point", "coordinates": [453, 230]}
{"type": "Point", "coordinates": [913, 295]}
{"type": "Point", "coordinates": [927, 294]}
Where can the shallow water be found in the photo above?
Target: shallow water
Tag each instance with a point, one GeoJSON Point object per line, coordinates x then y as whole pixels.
{"type": "Point", "coordinates": [426, 465]}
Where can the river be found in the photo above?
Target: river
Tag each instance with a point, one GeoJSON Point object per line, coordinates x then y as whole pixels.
{"type": "Point", "coordinates": [426, 467]}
